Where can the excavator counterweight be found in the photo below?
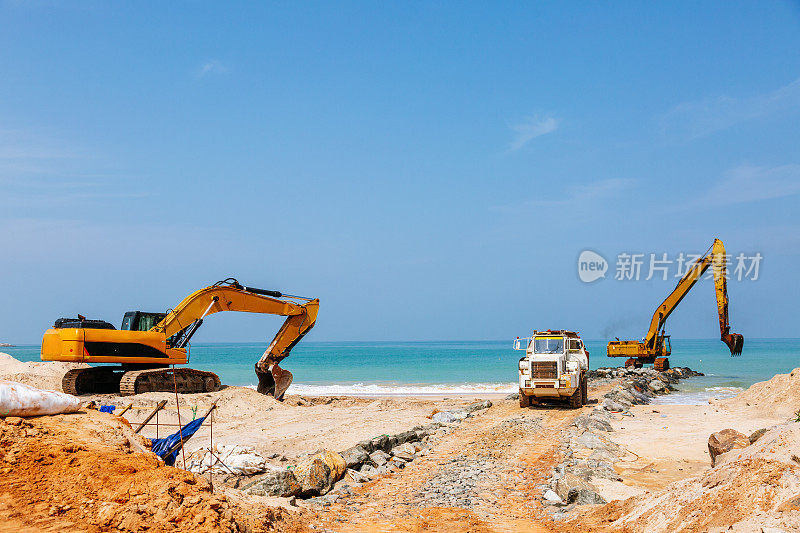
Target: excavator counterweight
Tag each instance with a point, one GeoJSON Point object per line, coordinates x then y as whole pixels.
{"type": "Point", "coordinates": [149, 343]}
{"type": "Point", "coordinates": [655, 348]}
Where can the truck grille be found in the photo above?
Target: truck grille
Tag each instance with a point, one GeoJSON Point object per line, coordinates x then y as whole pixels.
{"type": "Point", "coordinates": [544, 370]}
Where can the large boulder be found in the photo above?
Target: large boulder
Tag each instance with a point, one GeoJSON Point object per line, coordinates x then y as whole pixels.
{"type": "Point", "coordinates": [592, 422]}
{"type": "Point", "coordinates": [572, 489]}
{"type": "Point", "coordinates": [568, 482]}
{"type": "Point", "coordinates": [725, 441]}
{"type": "Point", "coordinates": [584, 496]}
{"type": "Point", "coordinates": [614, 407]}
{"type": "Point", "coordinates": [313, 475]}
{"type": "Point", "coordinates": [354, 456]}
{"type": "Point", "coordinates": [379, 457]}
{"type": "Point", "coordinates": [381, 443]}
{"type": "Point", "coordinates": [336, 463]}
{"type": "Point", "coordinates": [478, 406]}
{"type": "Point", "coordinates": [356, 476]}
{"type": "Point", "coordinates": [317, 474]}
{"type": "Point", "coordinates": [405, 436]}
{"type": "Point", "coordinates": [276, 482]}
{"type": "Point", "coordinates": [590, 440]}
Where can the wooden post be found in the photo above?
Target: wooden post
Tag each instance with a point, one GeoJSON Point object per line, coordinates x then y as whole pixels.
{"type": "Point", "coordinates": [159, 407]}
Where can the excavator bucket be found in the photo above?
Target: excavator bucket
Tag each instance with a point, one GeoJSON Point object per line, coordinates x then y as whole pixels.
{"type": "Point", "coordinates": [274, 382]}
{"type": "Point", "coordinates": [735, 342]}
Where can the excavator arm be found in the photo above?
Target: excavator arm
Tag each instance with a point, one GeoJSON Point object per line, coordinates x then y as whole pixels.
{"type": "Point", "coordinates": [181, 323]}
{"type": "Point", "coordinates": [714, 256]}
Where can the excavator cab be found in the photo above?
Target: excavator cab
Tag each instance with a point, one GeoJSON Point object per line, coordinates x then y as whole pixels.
{"type": "Point", "coordinates": [140, 320]}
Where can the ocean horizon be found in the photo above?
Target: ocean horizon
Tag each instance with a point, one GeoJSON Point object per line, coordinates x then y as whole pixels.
{"type": "Point", "coordinates": [377, 368]}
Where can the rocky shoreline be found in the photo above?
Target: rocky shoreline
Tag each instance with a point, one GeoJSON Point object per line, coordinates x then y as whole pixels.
{"type": "Point", "coordinates": [325, 477]}
{"type": "Point", "coordinates": [586, 452]}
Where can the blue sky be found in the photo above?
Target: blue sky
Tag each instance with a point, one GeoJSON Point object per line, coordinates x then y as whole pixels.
{"type": "Point", "coordinates": [428, 170]}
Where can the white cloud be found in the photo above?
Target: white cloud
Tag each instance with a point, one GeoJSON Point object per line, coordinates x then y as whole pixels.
{"type": "Point", "coordinates": [697, 119]}
{"type": "Point", "coordinates": [212, 66]}
{"type": "Point", "coordinates": [533, 127]}
{"type": "Point", "coordinates": [746, 184]}
{"type": "Point", "coordinates": [579, 198]}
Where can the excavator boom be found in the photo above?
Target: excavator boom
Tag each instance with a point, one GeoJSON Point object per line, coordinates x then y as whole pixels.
{"type": "Point", "coordinates": [655, 347]}
{"type": "Point", "coordinates": [230, 295]}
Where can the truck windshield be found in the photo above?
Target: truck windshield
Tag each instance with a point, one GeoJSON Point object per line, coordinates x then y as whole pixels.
{"type": "Point", "coordinates": [548, 345]}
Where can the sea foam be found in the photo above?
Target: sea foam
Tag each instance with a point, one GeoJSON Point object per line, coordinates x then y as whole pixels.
{"type": "Point", "coordinates": [697, 397]}
{"type": "Point", "coordinates": [375, 389]}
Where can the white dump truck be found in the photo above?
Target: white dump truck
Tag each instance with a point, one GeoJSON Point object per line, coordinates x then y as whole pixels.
{"type": "Point", "coordinates": [554, 367]}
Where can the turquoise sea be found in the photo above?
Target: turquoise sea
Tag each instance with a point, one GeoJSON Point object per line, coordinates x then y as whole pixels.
{"type": "Point", "coordinates": [372, 368]}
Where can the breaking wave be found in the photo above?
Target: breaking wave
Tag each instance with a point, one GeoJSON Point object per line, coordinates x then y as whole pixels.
{"type": "Point", "coordinates": [372, 389]}
{"type": "Point", "coordinates": [697, 397]}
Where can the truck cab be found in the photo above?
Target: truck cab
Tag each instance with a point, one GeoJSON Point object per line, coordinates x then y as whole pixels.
{"type": "Point", "coordinates": [553, 368]}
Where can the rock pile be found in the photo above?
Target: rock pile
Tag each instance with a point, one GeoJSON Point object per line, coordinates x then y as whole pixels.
{"type": "Point", "coordinates": [326, 476]}
{"type": "Point", "coordinates": [586, 450]}
{"type": "Point", "coordinates": [726, 440]}
{"type": "Point", "coordinates": [587, 454]}
{"type": "Point", "coordinates": [636, 386]}
{"type": "Point", "coordinates": [456, 483]}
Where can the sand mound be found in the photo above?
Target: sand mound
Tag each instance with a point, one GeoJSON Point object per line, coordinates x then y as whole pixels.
{"type": "Point", "coordinates": [233, 403]}
{"type": "Point", "coordinates": [78, 473]}
{"type": "Point", "coordinates": [758, 486]}
{"type": "Point", "coordinates": [780, 396]}
{"type": "Point", "coordinates": [41, 374]}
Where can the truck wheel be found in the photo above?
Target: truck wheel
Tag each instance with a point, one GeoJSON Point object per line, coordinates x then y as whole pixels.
{"type": "Point", "coordinates": [524, 401]}
{"type": "Point", "coordinates": [575, 399]}
{"type": "Point", "coordinates": [584, 390]}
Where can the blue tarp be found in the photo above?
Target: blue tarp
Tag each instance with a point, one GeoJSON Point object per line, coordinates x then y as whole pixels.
{"type": "Point", "coordinates": [107, 408]}
{"type": "Point", "coordinates": [162, 446]}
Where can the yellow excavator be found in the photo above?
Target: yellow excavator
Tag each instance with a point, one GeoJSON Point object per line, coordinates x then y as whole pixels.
{"type": "Point", "coordinates": [656, 348]}
{"type": "Point", "coordinates": [148, 343]}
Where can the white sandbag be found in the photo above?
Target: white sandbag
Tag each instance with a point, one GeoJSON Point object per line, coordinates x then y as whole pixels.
{"type": "Point", "coordinates": [235, 458]}
{"type": "Point", "coordinates": [18, 399]}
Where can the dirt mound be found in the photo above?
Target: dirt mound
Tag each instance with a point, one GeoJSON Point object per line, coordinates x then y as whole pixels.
{"type": "Point", "coordinates": [78, 472]}
{"type": "Point", "coordinates": [40, 374]}
{"type": "Point", "coordinates": [780, 396]}
{"type": "Point", "coordinates": [750, 488]}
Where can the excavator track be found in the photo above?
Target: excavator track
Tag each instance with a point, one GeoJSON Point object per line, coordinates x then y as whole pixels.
{"type": "Point", "coordinates": [94, 380]}
{"type": "Point", "coordinates": [187, 380]}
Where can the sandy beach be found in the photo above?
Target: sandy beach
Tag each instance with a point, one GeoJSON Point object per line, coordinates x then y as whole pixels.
{"type": "Point", "coordinates": [486, 472]}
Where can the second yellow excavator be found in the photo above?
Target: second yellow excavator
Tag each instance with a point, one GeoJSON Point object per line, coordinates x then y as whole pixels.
{"type": "Point", "coordinates": [655, 347]}
{"type": "Point", "coordinates": [148, 343]}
